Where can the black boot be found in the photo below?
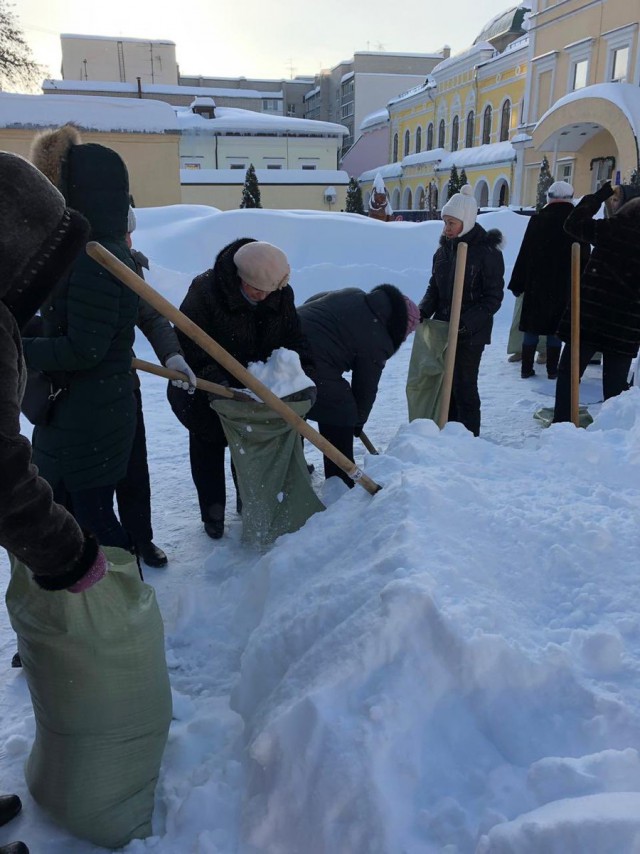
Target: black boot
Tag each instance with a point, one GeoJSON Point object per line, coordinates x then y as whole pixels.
{"type": "Point", "coordinates": [553, 357]}
{"type": "Point", "coordinates": [214, 524]}
{"type": "Point", "coordinates": [10, 806]}
{"type": "Point", "coordinates": [151, 554]}
{"type": "Point", "coordinates": [14, 848]}
{"type": "Point", "coordinates": [528, 355]}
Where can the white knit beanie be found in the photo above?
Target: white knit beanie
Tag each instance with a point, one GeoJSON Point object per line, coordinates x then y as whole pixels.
{"type": "Point", "coordinates": [131, 221]}
{"type": "Point", "coordinates": [464, 207]}
{"type": "Point", "coordinates": [560, 190]}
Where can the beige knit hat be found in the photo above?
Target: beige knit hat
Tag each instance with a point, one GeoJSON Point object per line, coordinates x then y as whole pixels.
{"type": "Point", "coordinates": [262, 266]}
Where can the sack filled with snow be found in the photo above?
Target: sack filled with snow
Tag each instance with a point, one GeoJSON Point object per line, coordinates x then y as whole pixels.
{"type": "Point", "coordinates": [273, 481]}
{"type": "Point", "coordinates": [96, 670]}
{"type": "Point", "coordinates": [424, 379]}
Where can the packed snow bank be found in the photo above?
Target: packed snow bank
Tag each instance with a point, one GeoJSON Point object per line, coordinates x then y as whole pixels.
{"type": "Point", "coordinates": [425, 664]}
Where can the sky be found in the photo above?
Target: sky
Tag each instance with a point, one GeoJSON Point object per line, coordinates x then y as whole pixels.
{"type": "Point", "coordinates": [269, 40]}
{"type": "Point", "coordinates": [450, 665]}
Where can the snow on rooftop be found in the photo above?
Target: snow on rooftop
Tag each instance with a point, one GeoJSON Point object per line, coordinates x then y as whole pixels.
{"type": "Point", "coordinates": [424, 157]}
{"type": "Point", "coordinates": [376, 118]}
{"type": "Point", "coordinates": [264, 176]}
{"type": "Point", "coordinates": [156, 89]}
{"type": "Point", "coordinates": [130, 115]}
{"type": "Point", "coordinates": [311, 94]}
{"type": "Point", "coordinates": [233, 120]}
{"type": "Point", "coordinates": [124, 39]}
{"type": "Point", "coordinates": [625, 96]}
{"type": "Point", "coordinates": [202, 102]}
{"type": "Point", "coordinates": [481, 155]}
{"type": "Point", "coordinates": [347, 76]}
{"type": "Point", "coordinates": [474, 50]}
{"type": "Point", "coordinates": [390, 170]}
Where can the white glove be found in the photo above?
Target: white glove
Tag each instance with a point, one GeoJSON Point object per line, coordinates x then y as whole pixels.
{"type": "Point", "coordinates": [177, 363]}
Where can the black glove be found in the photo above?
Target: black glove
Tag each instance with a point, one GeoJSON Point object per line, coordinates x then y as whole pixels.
{"type": "Point", "coordinates": [604, 192]}
{"type": "Point", "coordinates": [213, 396]}
{"type": "Point", "coordinates": [357, 430]}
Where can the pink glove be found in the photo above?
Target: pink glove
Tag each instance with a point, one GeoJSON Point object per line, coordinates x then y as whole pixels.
{"type": "Point", "coordinates": [94, 574]}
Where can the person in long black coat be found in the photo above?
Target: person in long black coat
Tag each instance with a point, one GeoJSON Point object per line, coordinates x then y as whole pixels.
{"type": "Point", "coordinates": [542, 273]}
{"type": "Point", "coordinates": [609, 297]}
{"type": "Point", "coordinates": [248, 308]}
{"type": "Point", "coordinates": [481, 298]}
{"type": "Point", "coordinates": [350, 330]}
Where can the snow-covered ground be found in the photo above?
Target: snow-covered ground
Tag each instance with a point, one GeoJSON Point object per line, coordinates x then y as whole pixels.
{"type": "Point", "coordinates": [448, 666]}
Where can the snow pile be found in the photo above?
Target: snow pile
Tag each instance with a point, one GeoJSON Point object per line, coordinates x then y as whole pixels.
{"type": "Point", "coordinates": [282, 373]}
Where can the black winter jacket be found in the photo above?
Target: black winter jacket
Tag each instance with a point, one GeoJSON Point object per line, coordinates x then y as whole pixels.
{"type": "Point", "coordinates": [483, 283]}
{"type": "Point", "coordinates": [542, 271]}
{"type": "Point", "coordinates": [250, 333]}
{"type": "Point", "coordinates": [610, 284]}
{"type": "Point", "coordinates": [350, 330]}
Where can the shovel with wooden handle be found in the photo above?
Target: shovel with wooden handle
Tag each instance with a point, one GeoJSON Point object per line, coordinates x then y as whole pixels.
{"type": "Point", "coordinates": [220, 355]}
{"type": "Point", "coordinates": [452, 340]}
{"type": "Point", "coordinates": [204, 385]}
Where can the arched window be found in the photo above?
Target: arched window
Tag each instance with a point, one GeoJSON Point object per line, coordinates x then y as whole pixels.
{"type": "Point", "coordinates": [455, 133]}
{"type": "Point", "coordinates": [395, 148]}
{"type": "Point", "coordinates": [468, 138]}
{"type": "Point", "coordinates": [441, 134]}
{"type": "Point", "coordinates": [505, 121]}
{"type": "Point", "coordinates": [486, 126]}
{"type": "Point", "coordinates": [407, 142]}
{"type": "Point", "coordinates": [418, 139]}
{"type": "Point", "coordinates": [430, 137]}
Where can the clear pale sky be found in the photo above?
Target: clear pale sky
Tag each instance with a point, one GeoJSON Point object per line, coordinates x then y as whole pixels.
{"type": "Point", "coordinates": [260, 38]}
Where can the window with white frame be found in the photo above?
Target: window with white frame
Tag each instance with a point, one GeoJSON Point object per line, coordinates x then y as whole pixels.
{"type": "Point", "coordinates": [620, 64]}
{"type": "Point", "coordinates": [619, 43]}
{"type": "Point", "coordinates": [579, 74]}
{"type": "Point", "coordinates": [564, 171]}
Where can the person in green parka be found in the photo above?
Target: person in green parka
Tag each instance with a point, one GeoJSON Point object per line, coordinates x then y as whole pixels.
{"type": "Point", "coordinates": [87, 334]}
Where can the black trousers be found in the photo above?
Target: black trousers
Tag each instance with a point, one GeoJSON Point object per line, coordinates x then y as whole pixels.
{"type": "Point", "coordinates": [342, 438]}
{"type": "Point", "coordinates": [465, 399]}
{"type": "Point", "coordinates": [615, 370]}
{"type": "Point", "coordinates": [133, 493]}
{"type": "Point", "coordinates": [93, 511]}
{"type": "Point", "coordinates": [207, 471]}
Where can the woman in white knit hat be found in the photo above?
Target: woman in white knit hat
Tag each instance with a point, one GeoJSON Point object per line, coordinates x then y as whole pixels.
{"type": "Point", "coordinates": [481, 298]}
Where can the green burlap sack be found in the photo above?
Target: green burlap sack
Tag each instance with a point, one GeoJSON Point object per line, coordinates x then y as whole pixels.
{"type": "Point", "coordinates": [273, 481]}
{"type": "Point", "coordinates": [95, 667]}
{"type": "Point", "coordinates": [426, 367]}
{"type": "Point", "coordinates": [514, 342]}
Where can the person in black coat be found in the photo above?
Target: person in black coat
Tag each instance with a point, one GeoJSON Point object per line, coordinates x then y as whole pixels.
{"type": "Point", "coordinates": [481, 298]}
{"type": "Point", "coordinates": [609, 296]}
{"type": "Point", "coordinates": [542, 273]}
{"type": "Point", "coordinates": [350, 330]}
{"type": "Point", "coordinates": [245, 303]}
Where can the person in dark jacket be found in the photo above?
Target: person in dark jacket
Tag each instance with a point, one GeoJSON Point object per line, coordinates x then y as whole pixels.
{"type": "Point", "coordinates": [350, 330]}
{"type": "Point", "coordinates": [481, 298]}
{"type": "Point", "coordinates": [245, 303]}
{"type": "Point", "coordinates": [542, 273]}
{"type": "Point", "coordinates": [609, 296]}
{"type": "Point", "coordinates": [39, 239]}
{"type": "Point", "coordinates": [133, 493]}
{"type": "Point", "coordinates": [88, 330]}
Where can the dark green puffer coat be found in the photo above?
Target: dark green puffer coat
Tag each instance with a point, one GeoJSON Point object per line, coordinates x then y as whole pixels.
{"type": "Point", "coordinates": [88, 326]}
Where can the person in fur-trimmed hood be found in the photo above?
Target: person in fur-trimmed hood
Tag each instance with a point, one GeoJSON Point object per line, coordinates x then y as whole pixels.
{"type": "Point", "coordinates": [86, 341]}
{"type": "Point", "coordinates": [481, 298]}
{"type": "Point", "coordinates": [350, 330]}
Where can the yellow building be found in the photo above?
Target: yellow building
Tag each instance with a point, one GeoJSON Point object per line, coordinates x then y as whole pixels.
{"type": "Point", "coordinates": [465, 114]}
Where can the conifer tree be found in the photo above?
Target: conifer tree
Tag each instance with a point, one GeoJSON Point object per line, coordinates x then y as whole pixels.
{"type": "Point", "coordinates": [454, 182]}
{"type": "Point", "coordinates": [251, 190]}
{"type": "Point", "coordinates": [354, 198]}
{"type": "Point", "coordinates": [18, 70]}
{"type": "Point", "coordinates": [545, 180]}
{"type": "Point", "coordinates": [463, 178]}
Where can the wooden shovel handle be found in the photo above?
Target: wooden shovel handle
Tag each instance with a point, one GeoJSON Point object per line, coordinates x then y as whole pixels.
{"type": "Point", "coordinates": [575, 333]}
{"type": "Point", "coordinates": [204, 385]}
{"type": "Point", "coordinates": [127, 276]}
{"type": "Point", "coordinates": [452, 340]}
{"type": "Point", "coordinates": [366, 441]}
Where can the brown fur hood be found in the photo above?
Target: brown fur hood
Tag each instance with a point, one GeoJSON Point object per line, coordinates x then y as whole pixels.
{"type": "Point", "coordinates": [50, 152]}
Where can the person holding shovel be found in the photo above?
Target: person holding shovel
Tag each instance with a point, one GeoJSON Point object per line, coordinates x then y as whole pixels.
{"type": "Point", "coordinates": [246, 304]}
{"type": "Point", "coordinates": [609, 296]}
{"type": "Point", "coordinates": [481, 298]}
{"type": "Point", "coordinates": [352, 331]}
